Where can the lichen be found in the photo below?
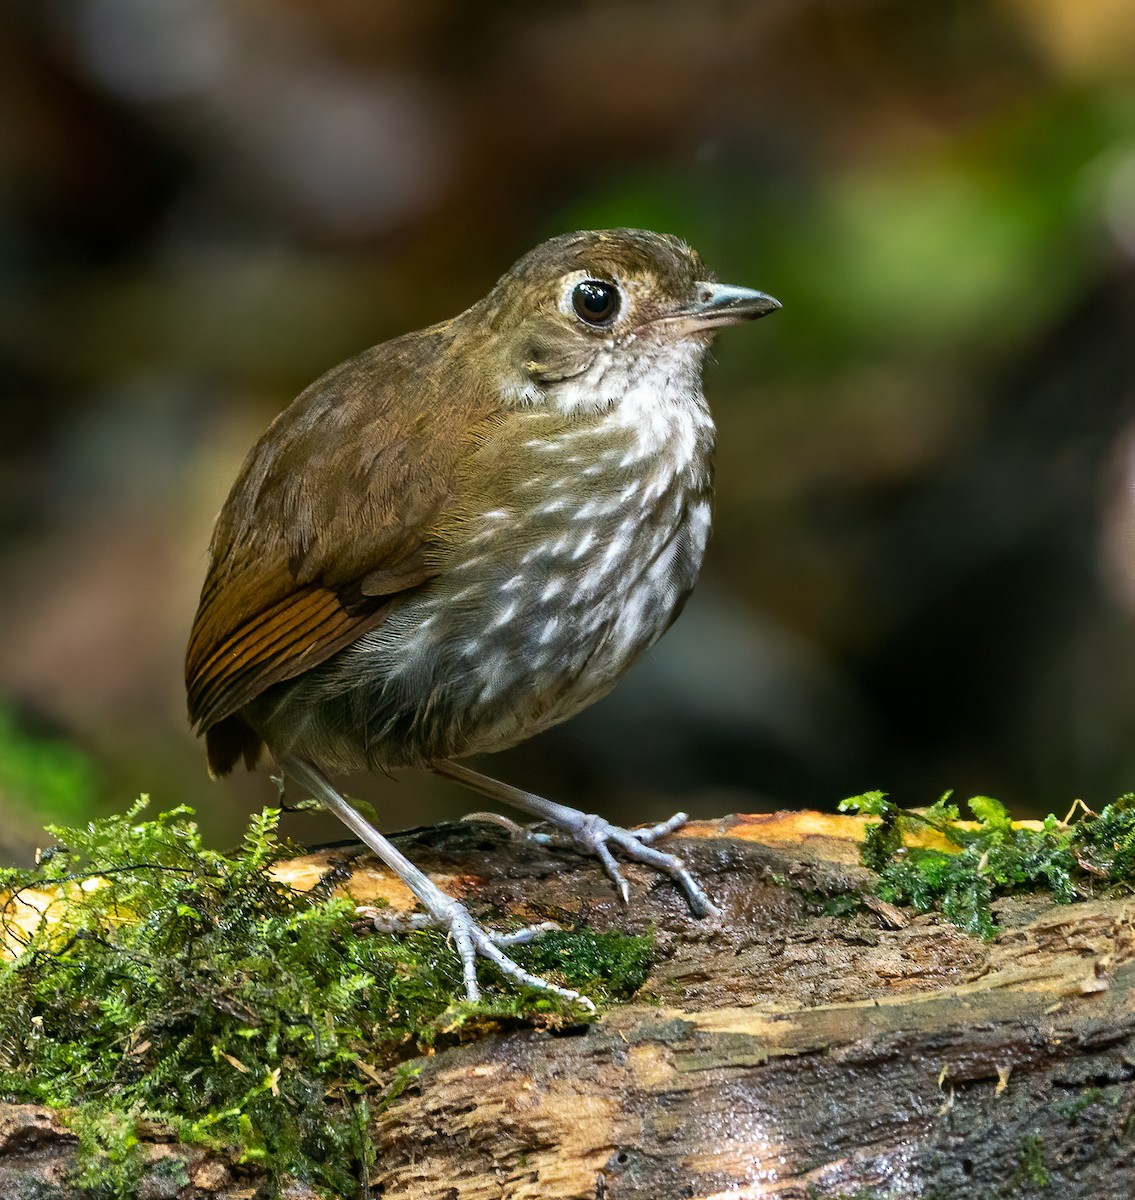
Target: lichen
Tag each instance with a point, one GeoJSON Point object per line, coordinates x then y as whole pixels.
{"type": "Point", "coordinates": [1085, 855]}
{"type": "Point", "coordinates": [168, 983]}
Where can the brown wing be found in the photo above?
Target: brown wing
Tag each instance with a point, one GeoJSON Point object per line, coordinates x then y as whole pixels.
{"type": "Point", "coordinates": [329, 520]}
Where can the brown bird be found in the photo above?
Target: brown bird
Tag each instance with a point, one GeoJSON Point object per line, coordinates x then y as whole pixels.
{"type": "Point", "coordinates": [467, 534]}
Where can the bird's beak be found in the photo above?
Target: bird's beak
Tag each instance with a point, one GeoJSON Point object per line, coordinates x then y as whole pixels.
{"type": "Point", "coordinates": [723, 304]}
{"type": "Point", "coordinates": [718, 304]}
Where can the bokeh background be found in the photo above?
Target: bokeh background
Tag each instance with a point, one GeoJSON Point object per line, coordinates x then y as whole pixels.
{"type": "Point", "coordinates": [923, 569]}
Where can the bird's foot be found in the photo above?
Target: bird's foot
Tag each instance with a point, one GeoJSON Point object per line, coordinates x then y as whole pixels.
{"type": "Point", "coordinates": [594, 835]}
{"type": "Point", "coordinates": [591, 834]}
{"type": "Point", "coordinates": [441, 911]}
{"type": "Point", "coordinates": [470, 941]}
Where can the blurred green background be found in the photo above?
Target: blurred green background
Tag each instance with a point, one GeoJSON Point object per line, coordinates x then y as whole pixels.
{"type": "Point", "coordinates": [923, 568]}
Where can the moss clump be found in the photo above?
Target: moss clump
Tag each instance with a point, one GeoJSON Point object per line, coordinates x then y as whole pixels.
{"type": "Point", "coordinates": [991, 856]}
{"type": "Point", "coordinates": [601, 965]}
{"type": "Point", "coordinates": [172, 984]}
{"type": "Point", "coordinates": [1030, 1166]}
{"type": "Point", "coordinates": [1071, 1109]}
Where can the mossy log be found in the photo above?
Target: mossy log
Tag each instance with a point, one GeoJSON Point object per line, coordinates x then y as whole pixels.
{"type": "Point", "coordinates": [811, 1042]}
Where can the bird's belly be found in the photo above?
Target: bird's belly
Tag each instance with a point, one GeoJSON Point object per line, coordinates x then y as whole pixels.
{"type": "Point", "coordinates": [543, 659]}
{"type": "Point", "coordinates": [511, 651]}
{"type": "Point", "coordinates": [502, 645]}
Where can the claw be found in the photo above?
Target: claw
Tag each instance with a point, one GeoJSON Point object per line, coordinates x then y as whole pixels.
{"type": "Point", "coordinates": [612, 868]}
{"type": "Point", "coordinates": [470, 939]}
{"type": "Point", "coordinates": [528, 934]}
{"type": "Point", "coordinates": [388, 920]}
{"type": "Point", "coordinates": [515, 829]}
{"type": "Point", "coordinates": [594, 835]}
{"type": "Point", "coordinates": [591, 834]}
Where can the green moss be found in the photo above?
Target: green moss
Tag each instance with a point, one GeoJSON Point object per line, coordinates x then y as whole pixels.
{"type": "Point", "coordinates": [605, 966]}
{"type": "Point", "coordinates": [110, 1158]}
{"type": "Point", "coordinates": [1030, 1166]}
{"type": "Point", "coordinates": [181, 986]}
{"type": "Point", "coordinates": [1071, 1109]}
{"type": "Point", "coordinates": [846, 904]}
{"type": "Point", "coordinates": [1069, 859]}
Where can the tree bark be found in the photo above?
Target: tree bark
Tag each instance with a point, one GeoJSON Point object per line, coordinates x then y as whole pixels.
{"type": "Point", "coordinates": [777, 1051]}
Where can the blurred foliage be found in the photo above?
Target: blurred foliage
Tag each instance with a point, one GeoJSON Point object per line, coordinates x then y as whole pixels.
{"type": "Point", "coordinates": [46, 776]}
{"type": "Point", "coordinates": [922, 568]}
{"type": "Point", "coordinates": [970, 243]}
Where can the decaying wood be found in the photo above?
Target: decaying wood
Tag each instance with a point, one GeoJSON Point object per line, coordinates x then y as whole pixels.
{"type": "Point", "coordinates": [774, 1052]}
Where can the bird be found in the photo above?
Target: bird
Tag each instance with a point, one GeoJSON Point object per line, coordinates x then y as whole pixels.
{"type": "Point", "coordinates": [465, 535]}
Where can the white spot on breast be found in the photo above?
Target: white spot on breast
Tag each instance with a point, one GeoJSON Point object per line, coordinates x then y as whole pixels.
{"type": "Point", "coordinates": [470, 564]}
{"type": "Point", "coordinates": [660, 567]}
{"type": "Point", "coordinates": [495, 675]}
{"type": "Point", "coordinates": [505, 617]}
{"type": "Point", "coordinates": [655, 489]}
{"type": "Point", "coordinates": [701, 518]}
{"type": "Point", "coordinates": [619, 546]}
{"type": "Point", "coordinates": [595, 508]}
{"type": "Point", "coordinates": [585, 544]}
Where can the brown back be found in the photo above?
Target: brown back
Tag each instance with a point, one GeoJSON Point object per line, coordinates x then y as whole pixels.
{"type": "Point", "coordinates": [331, 518]}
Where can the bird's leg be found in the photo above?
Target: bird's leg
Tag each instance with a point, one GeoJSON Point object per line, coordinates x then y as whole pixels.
{"type": "Point", "coordinates": [468, 937]}
{"type": "Point", "coordinates": [592, 834]}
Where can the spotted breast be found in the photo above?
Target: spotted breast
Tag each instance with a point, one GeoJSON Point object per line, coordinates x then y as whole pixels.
{"type": "Point", "coordinates": [546, 590]}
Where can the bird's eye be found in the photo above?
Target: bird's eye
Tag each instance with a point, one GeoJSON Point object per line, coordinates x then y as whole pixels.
{"type": "Point", "coordinates": [595, 302]}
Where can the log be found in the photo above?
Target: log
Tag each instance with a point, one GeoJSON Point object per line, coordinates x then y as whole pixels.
{"type": "Point", "coordinates": [812, 1043]}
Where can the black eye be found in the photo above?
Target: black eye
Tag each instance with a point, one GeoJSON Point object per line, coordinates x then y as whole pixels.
{"type": "Point", "coordinates": [595, 302]}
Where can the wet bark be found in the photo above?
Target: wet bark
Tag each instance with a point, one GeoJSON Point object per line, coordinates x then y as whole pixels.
{"type": "Point", "coordinates": [790, 1049]}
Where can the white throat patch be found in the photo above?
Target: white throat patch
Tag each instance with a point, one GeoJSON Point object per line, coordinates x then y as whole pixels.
{"type": "Point", "coordinates": [652, 391]}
